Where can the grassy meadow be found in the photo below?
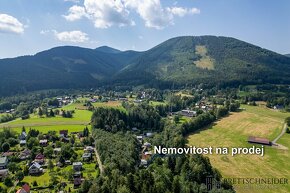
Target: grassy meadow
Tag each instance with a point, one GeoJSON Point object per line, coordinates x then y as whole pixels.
{"type": "Point", "coordinates": [80, 119]}
{"type": "Point", "coordinates": [233, 131]}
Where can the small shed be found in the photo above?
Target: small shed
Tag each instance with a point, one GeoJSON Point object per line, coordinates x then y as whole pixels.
{"type": "Point", "coordinates": [259, 140]}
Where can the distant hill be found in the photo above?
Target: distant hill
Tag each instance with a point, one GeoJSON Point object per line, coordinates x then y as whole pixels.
{"type": "Point", "coordinates": [288, 55]}
{"type": "Point", "coordinates": [107, 49]}
{"type": "Point", "coordinates": [182, 60]}
{"type": "Point", "coordinates": [206, 59]}
{"type": "Point", "coordinates": [60, 67]}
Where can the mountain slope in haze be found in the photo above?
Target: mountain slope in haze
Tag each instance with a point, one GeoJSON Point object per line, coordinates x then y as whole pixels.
{"type": "Point", "coordinates": [60, 67]}
{"type": "Point", "coordinates": [288, 55]}
{"type": "Point", "coordinates": [182, 60]}
{"type": "Point", "coordinates": [107, 49]}
{"type": "Point", "coordinates": [206, 59]}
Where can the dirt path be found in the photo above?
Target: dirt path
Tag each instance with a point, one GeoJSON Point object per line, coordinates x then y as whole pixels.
{"type": "Point", "coordinates": [14, 186]}
{"type": "Point", "coordinates": [281, 134]}
{"type": "Point", "coordinates": [99, 162]}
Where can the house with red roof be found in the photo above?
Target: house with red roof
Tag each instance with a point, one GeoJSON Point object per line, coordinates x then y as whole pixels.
{"type": "Point", "coordinates": [25, 189]}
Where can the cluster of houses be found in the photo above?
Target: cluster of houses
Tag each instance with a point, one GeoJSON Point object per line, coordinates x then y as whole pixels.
{"type": "Point", "coordinates": [204, 106]}
{"type": "Point", "coordinates": [7, 111]}
{"type": "Point", "coordinates": [38, 165]}
{"type": "Point", "coordinates": [62, 101]}
{"type": "Point", "coordinates": [146, 152]}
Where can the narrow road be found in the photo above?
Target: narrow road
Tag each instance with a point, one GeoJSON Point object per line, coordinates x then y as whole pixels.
{"type": "Point", "coordinates": [281, 134]}
{"type": "Point", "coordinates": [14, 186]}
{"type": "Point", "coordinates": [99, 162]}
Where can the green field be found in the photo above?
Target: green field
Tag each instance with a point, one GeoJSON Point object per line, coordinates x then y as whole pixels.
{"type": "Point", "coordinates": [80, 119]}
{"type": "Point", "coordinates": [233, 131]}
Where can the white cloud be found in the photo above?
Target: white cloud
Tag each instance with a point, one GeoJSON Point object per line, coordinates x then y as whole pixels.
{"type": "Point", "coordinates": [75, 13]}
{"type": "Point", "coordinates": [108, 13]}
{"type": "Point", "coordinates": [71, 36]}
{"type": "Point", "coordinates": [9, 24]}
{"type": "Point", "coordinates": [155, 15]}
{"type": "Point", "coordinates": [152, 12]}
{"type": "Point", "coordinates": [181, 12]}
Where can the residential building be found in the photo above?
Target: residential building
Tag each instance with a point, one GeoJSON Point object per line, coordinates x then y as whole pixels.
{"type": "Point", "coordinates": [77, 166]}
{"type": "Point", "coordinates": [3, 162]}
{"type": "Point", "coordinates": [35, 168]}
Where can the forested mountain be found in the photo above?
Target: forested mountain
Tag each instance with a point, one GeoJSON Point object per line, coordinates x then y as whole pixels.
{"type": "Point", "coordinates": [287, 55]}
{"type": "Point", "coordinates": [181, 60]}
{"type": "Point", "coordinates": [60, 67]}
{"type": "Point", "coordinates": [207, 59]}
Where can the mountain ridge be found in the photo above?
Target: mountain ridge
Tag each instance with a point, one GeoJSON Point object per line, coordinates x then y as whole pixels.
{"type": "Point", "coordinates": [180, 60]}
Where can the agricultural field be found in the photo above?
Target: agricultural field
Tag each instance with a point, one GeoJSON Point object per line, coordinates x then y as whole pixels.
{"type": "Point", "coordinates": [233, 131]}
{"type": "Point", "coordinates": [80, 119]}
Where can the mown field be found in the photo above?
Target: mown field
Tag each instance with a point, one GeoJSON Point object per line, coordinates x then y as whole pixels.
{"type": "Point", "coordinates": [80, 119]}
{"type": "Point", "coordinates": [233, 131]}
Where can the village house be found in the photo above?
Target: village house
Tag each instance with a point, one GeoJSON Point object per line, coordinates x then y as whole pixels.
{"type": "Point", "coordinates": [39, 158]}
{"type": "Point", "coordinates": [188, 113]}
{"type": "Point", "coordinates": [22, 142]}
{"type": "Point", "coordinates": [147, 155]}
{"type": "Point", "coordinates": [89, 149]}
{"type": "Point", "coordinates": [43, 142]}
{"type": "Point", "coordinates": [25, 154]}
{"type": "Point", "coordinates": [144, 163]}
{"type": "Point", "coordinates": [140, 138]}
{"type": "Point", "coordinates": [25, 189]}
{"type": "Point", "coordinates": [67, 162]}
{"type": "Point", "coordinates": [87, 157]}
{"type": "Point", "coordinates": [123, 99]}
{"type": "Point", "coordinates": [77, 182]}
{"type": "Point", "coordinates": [278, 107]}
{"type": "Point", "coordinates": [63, 133]}
{"type": "Point", "coordinates": [3, 162]}
{"type": "Point", "coordinates": [77, 166]}
{"type": "Point", "coordinates": [134, 129]}
{"type": "Point", "coordinates": [146, 144]}
{"type": "Point", "coordinates": [57, 150]}
{"type": "Point", "coordinates": [3, 174]}
{"type": "Point", "coordinates": [35, 168]}
{"type": "Point", "coordinates": [78, 174]}
{"type": "Point", "coordinates": [149, 134]}
{"type": "Point", "coordinates": [65, 139]}
{"type": "Point", "coordinates": [23, 136]}
{"type": "Point", "coordinates": [8, 154]}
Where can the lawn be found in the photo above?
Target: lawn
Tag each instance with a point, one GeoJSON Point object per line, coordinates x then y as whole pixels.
{"type": "Point", "coordinates": [155, 103]}
{"type": "Point", "coordinates": [233, 131]}
{"type": "Point", "coordinates": [80, 119]}
{"type": "Point", "coordinates": [46, 128]}
{"type": "Point", "coordinates": [112, 104]}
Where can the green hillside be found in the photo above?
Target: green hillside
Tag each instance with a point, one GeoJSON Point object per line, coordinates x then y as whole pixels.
{"type": "Point", "coordinates": [60, 67]}
{"type": "Point", "coordinates": [181, 60]}
{"type": "Point", "coordinates": [208, 59]}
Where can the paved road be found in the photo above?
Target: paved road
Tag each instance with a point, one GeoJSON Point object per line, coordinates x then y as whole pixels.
{"type": "Point", "coordinates": [99, 162]}
{"type": "Point", "coordinates": [281, 134]}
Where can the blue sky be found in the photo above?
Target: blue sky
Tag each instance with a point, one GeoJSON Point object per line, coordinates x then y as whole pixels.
{"type": "Point", "coordinates": [30, 26]}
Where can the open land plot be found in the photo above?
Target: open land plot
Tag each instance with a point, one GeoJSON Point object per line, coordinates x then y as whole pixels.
{"type": "Point", "coordinates": [233, 131]}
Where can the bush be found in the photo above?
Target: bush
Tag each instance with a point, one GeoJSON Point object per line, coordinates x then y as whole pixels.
{"type": "Point", "coordinates": [287, 120]}
{"type": "Point", "coordinates": [8, 182]}
{"type": "Point", "coordinates": [34, 183]}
